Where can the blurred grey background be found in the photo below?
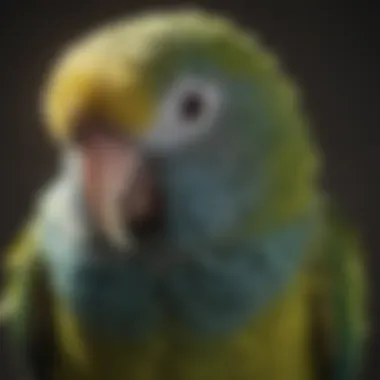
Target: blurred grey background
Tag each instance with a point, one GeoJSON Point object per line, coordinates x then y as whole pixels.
{"type": "Point", "coordinates": [330, 48]}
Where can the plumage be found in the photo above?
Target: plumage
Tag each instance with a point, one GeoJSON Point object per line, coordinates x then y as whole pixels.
{"type": "Point", "coordinates": [251, 261]}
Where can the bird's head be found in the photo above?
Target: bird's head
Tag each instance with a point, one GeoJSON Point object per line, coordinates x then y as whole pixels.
{"type": "Point", "coordinates": [182, 118]}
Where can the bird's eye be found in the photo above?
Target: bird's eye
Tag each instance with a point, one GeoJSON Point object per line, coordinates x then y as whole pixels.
{"type": "Point", "coordinates": [192, 106]}
{"type": "Point", "coordinates": [188, 111]}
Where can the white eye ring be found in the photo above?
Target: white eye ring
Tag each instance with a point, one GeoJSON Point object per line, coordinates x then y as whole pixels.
{"type": "Point", "coordinates": [188, 111]}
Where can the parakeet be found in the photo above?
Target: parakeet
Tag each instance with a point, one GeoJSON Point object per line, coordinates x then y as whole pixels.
{"type": "Point", "coordinates": [185, 234]}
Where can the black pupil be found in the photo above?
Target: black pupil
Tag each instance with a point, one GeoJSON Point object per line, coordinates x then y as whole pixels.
{"type": "Point", "coordinates": [192, 106]}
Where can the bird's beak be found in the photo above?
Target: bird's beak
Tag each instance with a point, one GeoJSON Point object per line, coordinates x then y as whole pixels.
{"type": "Point", "coordinates": [104, 107]}
{"type": "Point", "coordinates": [119, 186]}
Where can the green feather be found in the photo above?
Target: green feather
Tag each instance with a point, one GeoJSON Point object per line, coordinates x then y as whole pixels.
{"type": "Point", "coordinates": [25, 305]}
{"type": "Point", "coordinates": [341, 295]}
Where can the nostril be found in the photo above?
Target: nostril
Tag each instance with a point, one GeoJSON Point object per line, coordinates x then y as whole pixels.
{"type": "Point", "coordinates": [92, 125]}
